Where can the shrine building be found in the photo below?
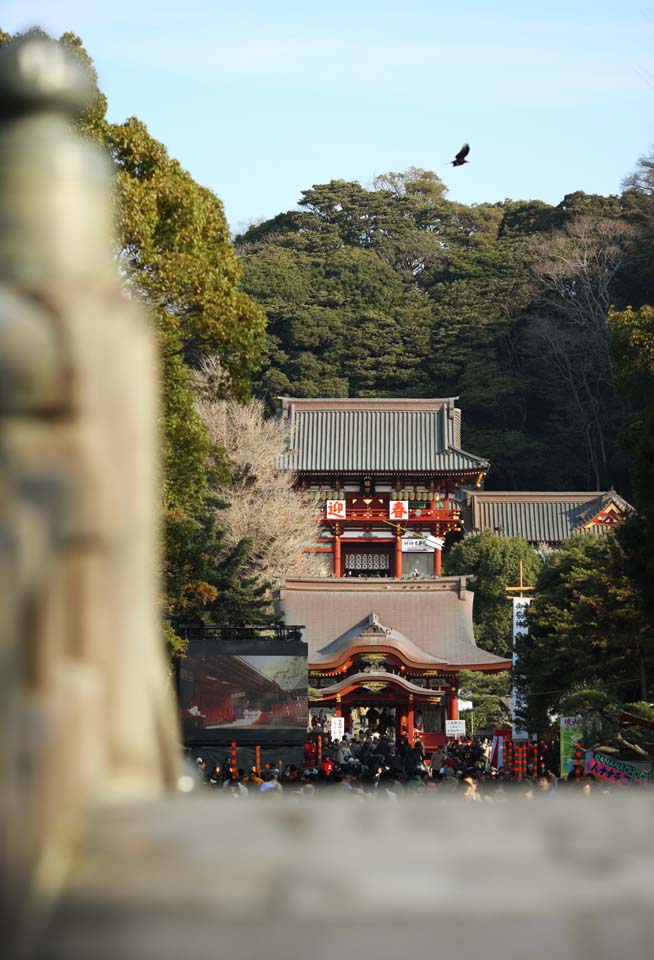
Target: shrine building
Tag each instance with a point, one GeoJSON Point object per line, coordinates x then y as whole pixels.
{"type": "Point", "coordinates": [387, 649]}
{"type": "Point", "coordinates": [390, 472]}
{"type": "Point", "coordinates": [387, 634]}
{"type": "Point", "coordinates": [543, 517]}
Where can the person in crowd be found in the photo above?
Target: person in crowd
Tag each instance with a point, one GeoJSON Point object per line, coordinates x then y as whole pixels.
{"type": "Point", "coordinates": [252, 778]}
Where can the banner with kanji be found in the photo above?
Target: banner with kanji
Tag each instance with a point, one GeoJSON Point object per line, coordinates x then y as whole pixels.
{"type": "Point", "coordinates": [615, 771]}
{"type": "Point", "coordinates": [520, 629]}
{"type": "Point", "coordinates": [398, 510]}
{"type": "Point", "coordinates": [335, 510]}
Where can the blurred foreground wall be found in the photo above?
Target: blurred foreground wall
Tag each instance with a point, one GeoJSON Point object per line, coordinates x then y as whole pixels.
{"type": "Point", "coordinates": [560, 878]}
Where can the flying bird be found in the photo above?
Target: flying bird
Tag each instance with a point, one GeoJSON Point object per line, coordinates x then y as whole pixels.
{"type": "Point", "coordinates": [460, 158]}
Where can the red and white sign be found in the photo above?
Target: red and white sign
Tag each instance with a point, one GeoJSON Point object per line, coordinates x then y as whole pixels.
{"type": "Point", "coordinates": [398, 510]}
{"type": "Point", "coordinates": [335, 510]}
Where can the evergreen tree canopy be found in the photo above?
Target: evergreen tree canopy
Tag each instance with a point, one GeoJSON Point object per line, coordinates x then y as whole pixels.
{"type": "Point", "coordinates": [586, 630]}
{"type": "Point", "coordinates": [495, 562]}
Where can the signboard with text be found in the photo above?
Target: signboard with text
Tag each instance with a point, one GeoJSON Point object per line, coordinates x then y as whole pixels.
{"type": "Point", "coordinates": [615, 771]}
{"type": "Point", "coordinates": [416, 545]}
{"type": "Point", "coordinates": [335, 510]}
{"type": "Point", "coordinates": [398, 510]}
{"type": "Point", "coordinates": [337, 725]}
{"type": "Point", "coordinates": [455, 728]}
{"type": "Point", "coordinates": [571, 733]}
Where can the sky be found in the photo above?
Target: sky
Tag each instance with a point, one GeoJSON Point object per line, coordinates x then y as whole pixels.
{"type": "Point", "coordinates": [261, 101]}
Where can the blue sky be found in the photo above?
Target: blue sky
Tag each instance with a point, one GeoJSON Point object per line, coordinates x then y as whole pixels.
{"type": "Point", "coordinates": [263, 100]}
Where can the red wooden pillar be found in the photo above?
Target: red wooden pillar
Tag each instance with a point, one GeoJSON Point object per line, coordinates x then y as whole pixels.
{"type": "Point", "coordinates": [337, 554]}
{"type": "Point", "coordinates": [410, 719]}
{"type": "Point", "coordinates": [398, 555]}
{"type": "Point", "coordinates": [339, 709]}
{"type": "Point", "coordinates": [452, 704]}
{"type": "Point", "coordinates": [437, 562]}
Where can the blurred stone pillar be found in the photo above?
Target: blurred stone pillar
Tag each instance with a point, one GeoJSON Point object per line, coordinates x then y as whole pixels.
{"type": "Point", "coordinates": [85, 702]}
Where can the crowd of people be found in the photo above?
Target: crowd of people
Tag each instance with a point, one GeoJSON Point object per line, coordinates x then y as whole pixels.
{"type": "Point", "coordinates": [375, 767]}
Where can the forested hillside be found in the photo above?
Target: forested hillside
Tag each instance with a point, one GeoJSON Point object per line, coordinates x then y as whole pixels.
{"type": "Point", "coordinates": [394, 290]}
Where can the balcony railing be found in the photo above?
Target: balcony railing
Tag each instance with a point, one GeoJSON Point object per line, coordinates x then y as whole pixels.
{"type": "Point", "coordinates": [418, 513]}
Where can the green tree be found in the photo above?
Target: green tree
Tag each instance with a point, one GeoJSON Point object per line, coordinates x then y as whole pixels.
{"type": "Point", "coordinates": [585, 629]}
{"type": "Point", "coordinates": [174, 254]}
{"type": "Point", "coordinates": [491, 698]}
{"type": "Point", "coordinates": [633, 353]}
{"type": "Point", "coordinates": [495, 562]}
{"type": "Point", "coordinates": [206, 580]}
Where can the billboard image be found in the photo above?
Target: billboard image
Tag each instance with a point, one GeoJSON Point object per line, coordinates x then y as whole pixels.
{"type": "Point", "coordinates": [221, 693]}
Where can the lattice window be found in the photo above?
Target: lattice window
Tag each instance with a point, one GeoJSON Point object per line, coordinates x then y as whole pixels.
{"type": "Point", "coordinates": [367, 561]}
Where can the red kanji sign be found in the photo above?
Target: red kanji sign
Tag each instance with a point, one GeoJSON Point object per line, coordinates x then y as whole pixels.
{"type": "Point", "coordinates": [399, 510]}
{"type": "Point", "coordinates": [335, 510]}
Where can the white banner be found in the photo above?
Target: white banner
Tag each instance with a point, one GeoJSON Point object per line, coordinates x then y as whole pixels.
{"type": "Point", "coordinates": [335, 510]}
{"type": "Point", "coordinates": [398, 510]}
{"type": "Point", "coordinates": [337, 725]}
{"type": "Point", "coordinates": [455, 728]}
{"type": "Point", "coordinates": [416, 545]}
{"type": "Point", "coordinates": [520, 629]}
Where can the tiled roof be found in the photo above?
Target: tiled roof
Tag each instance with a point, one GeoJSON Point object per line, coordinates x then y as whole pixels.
{"type": "Point", "coordinates": [539, 517]}
{"type": "Point", "coordinates": [372, 435]}
{"type": "Point", "coordinates": [430, 620]}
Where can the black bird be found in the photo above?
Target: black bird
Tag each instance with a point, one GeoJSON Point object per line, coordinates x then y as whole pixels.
{"type": "Point", "coordinates": [460, 158]}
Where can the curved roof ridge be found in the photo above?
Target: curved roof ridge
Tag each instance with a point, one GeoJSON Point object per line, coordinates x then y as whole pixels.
{"type": "Point", "coordinates": [378, 634]}
{"type": "Point", "coordinates": [378, 677]}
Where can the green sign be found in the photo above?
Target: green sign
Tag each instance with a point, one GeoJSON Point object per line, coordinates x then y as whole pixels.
{"type": "Point", "coordinates": [571, 733]}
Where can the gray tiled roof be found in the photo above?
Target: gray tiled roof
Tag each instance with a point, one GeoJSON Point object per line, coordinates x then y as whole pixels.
{"type": "Point", "coordinates": [359, 436]}
{"type": "Point", "coordinates": [539, 517]}
{"type": "Point", "coordinates": [435, 616]}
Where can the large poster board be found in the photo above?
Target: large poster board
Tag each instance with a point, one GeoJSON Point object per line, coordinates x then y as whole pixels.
{"type": "Point", "coordinates": [234, 686]}
{"type": "Point", "coordinates": [229, 693]}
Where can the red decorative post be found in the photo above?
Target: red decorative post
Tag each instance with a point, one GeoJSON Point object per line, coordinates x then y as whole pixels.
{"type": "Point", "coordinates": [339, 709]}
{"type": "Point", "coordinates": [520, 760]}
{"type": "Point", "coordinates": [233, 767]}
{"type": "Point", "coordinates": [410, 719]}
{"type": "Point", "coordinates": [319, 749]}
{"type": "Point", "coordinates": [398, 554]}
{"type": "Point", "coordinates": [257, 759]}
{"type": "Point", "coordinates": [452, 704]}
{"type": "Point", "coordinates": [505, 752]}
{"type": "Point", "coordinates": [437, 562]}
{"type": "Point", "coordinates": [337, 552]}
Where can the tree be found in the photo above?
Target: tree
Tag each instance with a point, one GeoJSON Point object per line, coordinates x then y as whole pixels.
{"type": "Point", "coordinates": [627, 728]}
{"type": "Point", "coordinates": [491, 698]}
{"type": "Point", "coordinates": [495, 562]}
{"type": "Point", "coordinates": [259, 503]}
{"type": "Point", "coordinates": [174, 254]}
{"type": "Point", "coordinates": [207, 579]}
{"type": "Point", "coordinates": [576, 270]}
{"type": "Point", "coordinates": [633, 351]}
{"type": "Point", "coordinates": [585, 630]}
